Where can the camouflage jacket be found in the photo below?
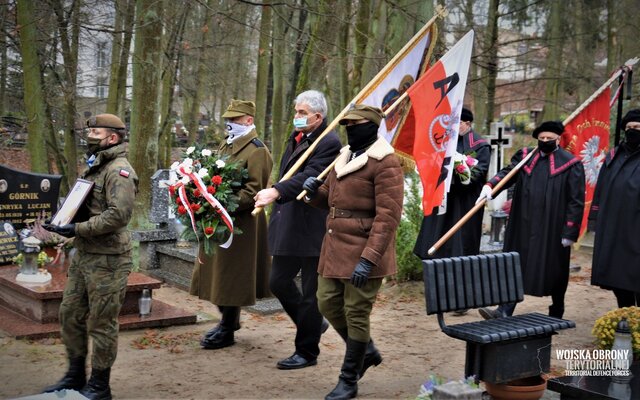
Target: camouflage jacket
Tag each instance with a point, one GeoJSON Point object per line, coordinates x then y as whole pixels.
{"type": "Point", "coordinates": [101, 222]}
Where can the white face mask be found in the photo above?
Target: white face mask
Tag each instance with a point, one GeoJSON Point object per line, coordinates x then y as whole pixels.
{"type": "Point", "coordinates": [236, 131]}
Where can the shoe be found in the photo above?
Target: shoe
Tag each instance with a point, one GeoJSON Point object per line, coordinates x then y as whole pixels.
{"type": "Point", "coordinates": [347, 387]}
{"type": "Point", "coordinates": [222, 338]}
{"type": "Point", "coordinates": [98, 386]}
{"type": "Point", "coordinates": [325, 326]}
{"type": "Point", "coordinates": [460, 313]}
{"type": "Point", "coordinates": [372, 358]}
{"type": "Point", "coordinates": [296, 361]}
{"type": "Point", "coordinates": [75, 378]}
{"type": "Point", "coordinates": [488, 313]}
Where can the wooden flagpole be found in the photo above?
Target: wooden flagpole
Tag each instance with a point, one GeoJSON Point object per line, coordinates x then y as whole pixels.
{"type": "Point", "coordinates": [627, 65]}
{"type": "Point", "coordinates": [441, 12]}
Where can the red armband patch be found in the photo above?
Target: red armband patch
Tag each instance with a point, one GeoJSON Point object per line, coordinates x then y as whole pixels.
{"type": "Point", "coordinates": [124, 173]}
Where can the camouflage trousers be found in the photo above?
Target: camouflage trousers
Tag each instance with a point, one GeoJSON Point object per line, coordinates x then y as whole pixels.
{"type": "Point", "coordinates": [94, 293]}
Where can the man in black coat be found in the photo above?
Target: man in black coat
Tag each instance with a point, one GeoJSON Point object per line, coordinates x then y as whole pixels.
{"type": "Point", "coordinates": [296, 229]}
{"type": "Point", "coordinates": [460, 199]}
{"type": "Point", "coordinates": [615, 215]}
{"type": "Point", "coordinates": [545, 217]}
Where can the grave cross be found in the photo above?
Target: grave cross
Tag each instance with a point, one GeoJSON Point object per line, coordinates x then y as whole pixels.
{"type": "Point", "coordinates": [499, 141]}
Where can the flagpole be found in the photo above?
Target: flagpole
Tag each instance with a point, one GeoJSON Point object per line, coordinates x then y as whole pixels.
{"type": "Point", "coordinates": [627, 66]}
{"type": "Point", "coordinates": [441, 12]}
{"type": "Point", "coordinates": [480, 205]}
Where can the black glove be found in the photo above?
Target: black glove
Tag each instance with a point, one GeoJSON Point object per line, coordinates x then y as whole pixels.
{"type": "Point", "coordinates": [361, 273]}
{"type": "Point", "coordinates": [68, 230]}
{"type": "Point", "coordinates": [311, 185]}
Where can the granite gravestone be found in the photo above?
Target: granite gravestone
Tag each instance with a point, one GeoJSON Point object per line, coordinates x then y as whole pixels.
{"type": "Point", "coordinates": [161, 212]}
{"type": "Point", "coordinates": [8, 242]}
{"type": "Point", "coordinates": [25, 195]}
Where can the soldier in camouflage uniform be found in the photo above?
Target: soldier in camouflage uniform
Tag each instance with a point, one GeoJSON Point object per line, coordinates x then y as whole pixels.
{"type": "Point", "coordinates": [97, 277]}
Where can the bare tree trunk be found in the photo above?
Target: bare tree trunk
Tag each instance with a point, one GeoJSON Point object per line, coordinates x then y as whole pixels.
{"type": "Point", "coordinates": [264, 58]}
{"type": "Point", "coordinates": [343, 65]}
{"type": "Point", "coordinates": [124, 56]}
{"type": "Point", "coordinates": [278, 134]}
{"type": "Point", "coordinates": [143, 152]}
{"type": "Point", "coordinates": [552, 74]}
{"type": "Point", "coordinates": [4, 7]}
{"type": "Point", "coordinates": [490, 71]}
{"type": "Point", "coordinates": [169, 75]}
{"type": "Point", "coordinates": [116, 50]}
{"type": "Point", "coordinates": [69, 42]}
{"type": "Point", "coordinates": [613, 47]}
{"type": "Point", "coordinates": [361, 30]}
{"type": "Point", "coordinates": [192, 120]}
{"type": "Point", "coordinates": [34, 101]}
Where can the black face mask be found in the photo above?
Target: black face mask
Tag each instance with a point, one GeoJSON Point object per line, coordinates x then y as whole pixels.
{"type": "Point", "coordinates": [548, 146]}
{"type": "Point", "coordinates": [632, 137]}
{"type": "Point", "coordinates": [362, 135]}
{"type": "Point", "coordinates": [93, 145]}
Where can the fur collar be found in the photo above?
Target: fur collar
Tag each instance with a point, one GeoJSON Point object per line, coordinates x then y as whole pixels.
{"type": "Point", "coordinates": [378, 150]}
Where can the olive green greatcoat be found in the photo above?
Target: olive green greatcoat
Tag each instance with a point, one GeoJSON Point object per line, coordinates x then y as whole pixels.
{"type": "Point", "coordinates": [238, 275]}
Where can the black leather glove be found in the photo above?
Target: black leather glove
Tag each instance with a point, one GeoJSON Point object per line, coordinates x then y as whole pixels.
{"type": "Point", "coordinates": [361, 273]}
{"type": "Point", "coordinates": [68, 230]}
{"type": "Point", "coordinates": [311, 185]}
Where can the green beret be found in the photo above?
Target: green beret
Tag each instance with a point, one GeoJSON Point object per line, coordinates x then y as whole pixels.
{"type": "Point", "coordinates": [238, 108]}
{"type": "Point", "coordinates": [105, 121]}
{"type": "Point", "coordinates": [361, 111]}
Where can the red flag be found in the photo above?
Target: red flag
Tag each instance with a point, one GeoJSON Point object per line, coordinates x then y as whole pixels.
{"type": "Point", "coordinates": [587, 137]}
{"type": "Point", "coordinates": [434, 118]}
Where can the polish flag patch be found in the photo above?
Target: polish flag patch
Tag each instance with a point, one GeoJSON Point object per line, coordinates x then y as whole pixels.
{"type": "Point", "coordinates": [124, 173]}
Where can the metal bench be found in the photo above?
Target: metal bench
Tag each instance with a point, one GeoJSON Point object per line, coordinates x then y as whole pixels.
{"type": "Point", "coordinates": [498, 350]}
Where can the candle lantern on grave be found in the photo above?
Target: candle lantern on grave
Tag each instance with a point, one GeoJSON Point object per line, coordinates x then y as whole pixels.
{"type": "Point", "coordinates": [29, 272]}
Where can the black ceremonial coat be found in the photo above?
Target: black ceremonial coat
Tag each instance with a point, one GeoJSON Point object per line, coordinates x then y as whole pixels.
{"type": "Point", "coordinates": [460, 199]}
{"type": "Point", "coordinates": [295, 227]}
{"type": "Point", "coordinates": [548, 204]}
{"type": "Point", "coordinates": [616, 212]}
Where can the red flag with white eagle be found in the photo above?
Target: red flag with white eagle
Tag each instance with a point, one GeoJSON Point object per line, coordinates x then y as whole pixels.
{"type": "Point", "coordinates": [436, 103]}
{"type": "Point", "coordinates": [587, 137]}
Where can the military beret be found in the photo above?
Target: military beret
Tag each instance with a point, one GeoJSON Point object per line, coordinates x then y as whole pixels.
{"type": "Point", "coordinates": [549, 126]}
{"type": "Point", "coordinates": [105, 121]}
{"type": "Point", "coordinates": [631, 116]}
{"type": "Point", "coordinates": [466, 115]}
{"type": "Point", "coordinates": [361, 111]}
{"type": "Point", "coordinates": [238, 108]}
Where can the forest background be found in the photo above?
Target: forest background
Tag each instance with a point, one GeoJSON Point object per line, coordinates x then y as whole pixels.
{"type": "Point", "coordinates": [170, 67]}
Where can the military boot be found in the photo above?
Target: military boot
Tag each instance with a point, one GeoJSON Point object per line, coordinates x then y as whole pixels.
{"type": "Point", "coordinates": [98, 386]}
{"type": "Point", "coordinates": [75, 378]}
{"type": "Point", "coordinates": [223, 337]}
{"type": "Point", "coordinates": [556, 311]}
{"type": "Point", "coordinates": [347, 387]}
{"type": "Point", "coordinates": [215, 329]}
{"type": "Point", "coordinates": [371, 358]}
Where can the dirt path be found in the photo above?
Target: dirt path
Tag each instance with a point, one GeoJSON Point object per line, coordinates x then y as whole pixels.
{"type": "Point", "coordinates": [169, 364]}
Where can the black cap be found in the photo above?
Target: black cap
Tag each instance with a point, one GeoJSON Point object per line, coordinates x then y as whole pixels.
{"type": "Point", "coordinates": [549, 126]}
{"type": "Point", "coordinates": [631, 116]}
{"type": "Point", "coordinates": [466, 115]}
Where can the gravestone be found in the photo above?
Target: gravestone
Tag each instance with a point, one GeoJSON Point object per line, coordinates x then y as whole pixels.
{"type": "Point", "coordinates": [161, 212]}
{"type": "Point", "coordinates": [8, 242]}
{"type": "Point", "coordinates": [25, 195]}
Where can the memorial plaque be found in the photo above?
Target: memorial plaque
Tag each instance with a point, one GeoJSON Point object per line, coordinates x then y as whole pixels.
{"type": "Point", "coordinates": [25, 195]}
{"type": "Point", "coordinates": [8, 242]}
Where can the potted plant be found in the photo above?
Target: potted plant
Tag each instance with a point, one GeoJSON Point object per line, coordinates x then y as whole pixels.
{"type": "Point", "coordinates": [604, 328]}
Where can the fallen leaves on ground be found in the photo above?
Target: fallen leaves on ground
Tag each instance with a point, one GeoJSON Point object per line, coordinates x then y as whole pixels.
{"type": "Point", "coordinates": [152, 339]}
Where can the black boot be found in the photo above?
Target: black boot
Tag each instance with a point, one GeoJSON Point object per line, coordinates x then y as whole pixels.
{"type": "Point", "coordinates": [98, 386]}
{"type": "Point", "coordinates": [347, 387]}
{"type": "Point", "coordinates": [75, 378]}
{"type": "Point", "coordinates": [223, 336]}
{"type": "Point", "coordinates": [555, 311]}
{"type": "Point", "coordinates": [371, 358]}
{"type": "Point", "coordinates": [215, 329]}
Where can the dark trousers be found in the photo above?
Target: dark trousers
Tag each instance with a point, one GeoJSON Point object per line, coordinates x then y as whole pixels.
{"type": "Point", "coordinates": [555, 310]}
{"type": "Point", "coordinates": [302, 307]}
{"type": "Point", "coordinates": [627, 298]}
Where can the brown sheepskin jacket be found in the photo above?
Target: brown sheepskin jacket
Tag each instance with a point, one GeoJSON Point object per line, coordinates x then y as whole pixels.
{"type": "Point", "coordinates": [371, 187]}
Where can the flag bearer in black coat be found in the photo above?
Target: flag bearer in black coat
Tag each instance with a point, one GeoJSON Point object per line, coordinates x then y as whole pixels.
{"type": "Point", "coordinates": [296, 229]}
{"type": "Point", "coordinates": [615, 215]}
{"type": "Point", "coordinates": [460, 199]}
{"type": "Point", "coordinates": [545, 218]}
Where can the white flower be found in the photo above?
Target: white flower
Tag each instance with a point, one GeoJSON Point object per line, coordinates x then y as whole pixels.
{"type": "Point", "coordinates": [203, 172]}
{"type": "Point", "coordinates": [188, 162]}
{"type": "Point", "coordinates": [206, 152]}
{"type": "Point", "coordinates": [174, 166]}
{"type": "Point", "coordinates": [185, 180]}
{"type": "Point", "coordinates": [190, 150]}
{"type": "Point", "coordinates": [220, 164]}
